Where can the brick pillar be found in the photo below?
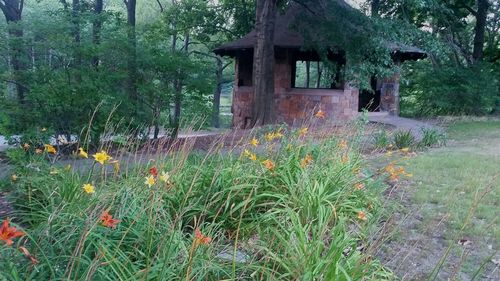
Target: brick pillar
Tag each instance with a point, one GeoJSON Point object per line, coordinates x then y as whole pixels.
{"type": "Point", "coordinates": [389, 94]}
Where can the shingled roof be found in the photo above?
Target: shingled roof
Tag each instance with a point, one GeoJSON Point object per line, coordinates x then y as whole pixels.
{"type": "Point", "coordinates": [286, 37]}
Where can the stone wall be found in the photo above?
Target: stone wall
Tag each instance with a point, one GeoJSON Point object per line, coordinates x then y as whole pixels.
{"type": "Point", "coordinates": [296, 105]}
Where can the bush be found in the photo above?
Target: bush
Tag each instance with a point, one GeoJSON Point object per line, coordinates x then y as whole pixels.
{"type": "Point", "coordinates": [291, 209]}
{"type": "Point", "coordinates": [381, 140]}
{"type": "Point", "coordinates": [449, 90]}
{"type": "Point", "coordinates": [431, 137]}
{"type": "Point", "coordinates": [403, 139]}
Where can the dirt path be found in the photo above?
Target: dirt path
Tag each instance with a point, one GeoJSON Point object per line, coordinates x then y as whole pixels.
{"type": "Point", "coordinates": [401, 123]}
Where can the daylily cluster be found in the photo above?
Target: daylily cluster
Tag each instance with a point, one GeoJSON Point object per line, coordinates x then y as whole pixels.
{"type": "Point", "coordinates": [273, 135]}
{"type": "Point", "coordinates": [151, 179]}
{"type": "Point", "coordinates": [250, 155]}
{"type": "Point", "coordinates": [395, 172]}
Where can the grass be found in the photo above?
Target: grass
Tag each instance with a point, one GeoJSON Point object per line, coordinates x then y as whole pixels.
{"type": "Point", "coordinates": [459, 185]}
{"type": "Point", "coordinates": [297, 211]}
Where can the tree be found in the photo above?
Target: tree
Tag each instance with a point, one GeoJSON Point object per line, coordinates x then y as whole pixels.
{"type": "Point", "coordinates": [263, 63]}
{"type": "Point", "coordinates": [96, 29]}
{"type": "Point", "coordinates": [481, 14]}
{"type": "Point", "coordinates": [12, 10]}
{"type": "Point", "coordinates": [132, 53]}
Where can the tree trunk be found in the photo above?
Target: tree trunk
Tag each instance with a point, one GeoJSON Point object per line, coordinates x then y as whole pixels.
{"type": "Point", "coordinates": [375, 7]}
{"type": "Point", "coordinates": [96, 30]}
{"type": "Point", "coordinates": [218, 91]}
{"type": "Point", "coordinates": [75, 19]}
{"type": "Point", "coordinates": [479, 30]}
{"type": "Point", "coordinates": [178, 90]}
{"type": "Point", "coordinates": [12, 10]}
{"type": "Point", "coordinates": [132, 54]}
{"type": "Point", "coordinates": [263, 63]}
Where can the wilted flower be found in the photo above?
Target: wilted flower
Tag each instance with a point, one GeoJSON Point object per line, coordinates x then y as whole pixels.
{"type": "Point", "coordinates": [28, 255]}
{"type": "Point", "coordinates": [14, 177]}
{"type": "Point", "coordinates": [102, 157]}
{"type": "Point", "coordinates": [7, 233]}
{"type": "Point", "coordinates": [88, 188]}
{"type": "Point", "coordinates": [38, 151]}
{"type": "Point", "coordinates": [26, 146]}
{"type": "Point", "coordinates": [345, 159]}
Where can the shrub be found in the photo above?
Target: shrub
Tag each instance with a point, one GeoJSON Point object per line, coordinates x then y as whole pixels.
{"type": "Point", "coordinates": [432, 137]}
{"type": "Point", "coordinates": [403, 139]}
{"type": "Point", "coordinates": [449, 90]}
{"type": "Point", "coordinates": [381, 139]}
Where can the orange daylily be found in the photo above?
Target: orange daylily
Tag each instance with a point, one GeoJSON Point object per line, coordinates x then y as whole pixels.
{"type": "Point", "coordinates": [200, 239]}
{"type": "Point", "coordinates": [306, 161]}
{"type": "Point", "coordinates": [269, 164]}
{"type": "Point", "coordinates": [362, 216]}
{"type": "Point", "coordinates": [7, 233]}
{"type": "Point", "coordinates": [359, 186]}
{"type": "Point", "coordinates": [108, 220]}
{"type": "Point", "coordinates": [320, 114]}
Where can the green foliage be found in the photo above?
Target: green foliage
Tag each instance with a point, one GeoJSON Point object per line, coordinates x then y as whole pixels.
{"type": "Point", "coordinates": [450, 90]}
{"type": "Point", "coordinates": [294, 221]}
{"type": "Point", "coordinates": [432, 137]}
{"type": "Point", "coordinates": [403, 139]}
{"type": "Point", "coordinates": [381, 140]}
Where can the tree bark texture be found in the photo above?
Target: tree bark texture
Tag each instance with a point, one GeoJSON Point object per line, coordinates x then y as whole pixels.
{"type": "Point", "coordinates": [132, 55]}
{"type": "Point", "coordinates": [263, 63]}
{"type": "Point", "coordinates": [12, 10]}
{"type": "Point", "coordinates": [96, 30]}
{"type": "Point", "coordinates": [479, 30]}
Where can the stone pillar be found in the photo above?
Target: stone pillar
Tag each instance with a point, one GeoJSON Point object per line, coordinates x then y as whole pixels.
{"type": "Point", "coordinates": [389, 94]}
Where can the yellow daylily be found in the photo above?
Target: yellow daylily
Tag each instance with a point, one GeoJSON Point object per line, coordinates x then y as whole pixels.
{"type": "Point", "coordinates": [82, 153]}
{"type": "Point", "coordinates": [102, 157]}
{"type": "Point", "coordinates": [50, 149]}
{"type": "Point", "coordinates": [165, 177]}
{"type": "Point", "coordinates": [150, 181]}
{"type": "Point", "coordinates": [88, 188]}
{"type": "Point", "coordinates": [14, 177]}
{"type": "Point", "coordinates": [303, 132]}
{"type": "Point", "coordinates": [254, 142]}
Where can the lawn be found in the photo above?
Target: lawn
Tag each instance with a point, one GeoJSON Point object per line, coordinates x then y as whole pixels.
{"type": "Point", "coordinates": [449, 223]}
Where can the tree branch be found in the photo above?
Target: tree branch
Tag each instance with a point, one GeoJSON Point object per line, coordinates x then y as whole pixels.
{"type": "Point", "coordinates": [472, 11]}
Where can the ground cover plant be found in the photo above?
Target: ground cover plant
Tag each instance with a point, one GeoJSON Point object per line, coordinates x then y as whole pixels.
{"type": "Point", "coordinates": [280, 206]}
